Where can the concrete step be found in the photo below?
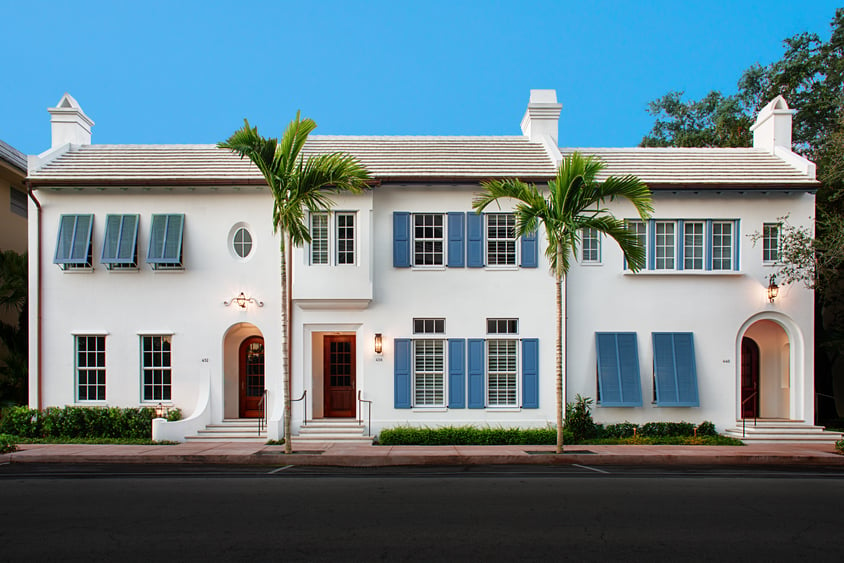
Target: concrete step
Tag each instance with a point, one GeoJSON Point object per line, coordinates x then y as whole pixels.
{"type": "Point", "coordinates": [333, 430]}
{"type": "Point", "coordinates": [231, 430]}
{"type": "Point", "coordinates": [781, 431]}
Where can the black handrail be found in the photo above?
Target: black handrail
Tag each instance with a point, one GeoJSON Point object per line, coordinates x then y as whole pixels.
{"type": "Point", "coordinates": [304, 406]}
{"type": "Point", "coordinates": [262, 406]}
{"type": "Point", "coordinates": [743, 419]}
{"type": "Point", "coordinates": [368, 428]}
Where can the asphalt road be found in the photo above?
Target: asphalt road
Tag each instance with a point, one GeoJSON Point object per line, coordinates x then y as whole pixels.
{"type": "Point", "coordinates": [584, 513]}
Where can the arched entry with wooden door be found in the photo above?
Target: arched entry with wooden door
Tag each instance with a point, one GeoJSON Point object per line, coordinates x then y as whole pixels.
{"type": "Point", "coordinates": [749, 378]}
{"type": "Point", "coordinates": [765, 378]}
{"type": "Point", "coordinates": [251, 377]}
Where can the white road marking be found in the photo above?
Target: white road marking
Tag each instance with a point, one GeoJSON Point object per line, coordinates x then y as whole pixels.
{"type": "Point", "coordinates": [277, 469]}
{"type": "Point", "coordinates": [595, 469]}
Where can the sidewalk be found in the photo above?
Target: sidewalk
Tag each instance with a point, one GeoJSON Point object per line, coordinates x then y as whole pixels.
{"type": "Point", "coordinates": [363, 455]}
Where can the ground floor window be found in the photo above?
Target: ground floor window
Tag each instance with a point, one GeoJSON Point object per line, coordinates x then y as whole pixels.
{"type": "Point", "coordinates": [90, 368]}
{"type": "Point", "coordinates": [156, 367]}
{"type": "Point", "coordinates": [429, 373]}
{"type": "Point", "coordinates": [502, 373]}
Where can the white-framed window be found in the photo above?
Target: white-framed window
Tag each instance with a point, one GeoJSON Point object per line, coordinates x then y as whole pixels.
{"type": "Point", "coordinates": [156, 367]}
{"type": "Point", "coordinates": [502, 363]}
{"type": "Point", "coordinates": [319, 238]}
{"type": "Point", "coordinates": [771, 242]}
{"type": "Point", "coordinates": [429, 363]}
{"type": "Point", "coordinates": [693, 245]}
{"type": "Point", "coordinates": [590, 246]}
{"type": "Point", "coordinates": [722, 245]}
{"type": "Point", "coordinates": [90, 368]}
{"type": "Point", "coordinates": [640, 230]}
{"type": "Point", "coordinates": [73, 247]}
{"type": "Point", "coordinates": [428, 239]}
{"type": "Point", "coordinates": [500, 239]}
{"type": "Point", "coordinates": [242, 242]}
{"type": "Point", "coordinates": [664, 245]}
{"type": "Point", "coordinates": [345, 238]}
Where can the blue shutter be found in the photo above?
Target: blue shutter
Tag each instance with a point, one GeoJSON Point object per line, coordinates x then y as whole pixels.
{"type": "Point", "coordinates": [476, 373]}
{"type": "Point", "coordinates": [675, 376]}
{"type": "Point", "coordinates": [121, 239]}
{"type": "Point", "coordinates": [157, 233]}
{"type": "Point", "coordinates": [73, 245]}
{"type": "Point", "coordinates": [457, 373]}
{"type": "Point", "coordinates": [618, 369]}
{"type": "Point", "coordinates": [708, 245]}
{"type": "Point", "coordinates": [165, 240]}
{"type": "Point", "coordinates": [681, 245]}
{"type": "Point", "coordinates": [628, 354]}
{"type": "Point", "coordinates": [736, 245]}
{"type": "Point", "coordinates": [401, 239]}
{"type": "Point", "coordinates": [401, 373]}
{"type": "Point", "coordinates": [475, 240]}
{"type": "Point", "coordinates": [651, 234]}
{"type": "Point", "coordinates": [609, 387]}
{"type": "Point", "coordinates": [456, 231]}
{"type": "Point", "coordinates": [530, 250]}
{"type": "Point", "coordinates": [530, 373]}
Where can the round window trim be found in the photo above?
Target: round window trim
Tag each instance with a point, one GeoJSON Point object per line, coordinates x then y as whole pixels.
{"type": "Point", "coordinates": [241, 242]}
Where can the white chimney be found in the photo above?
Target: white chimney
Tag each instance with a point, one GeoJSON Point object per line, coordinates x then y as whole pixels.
{"type": "Point", "coordinates": [542, 118]}
{"type": "Point", "coordinates": [69, 123]}
{"type": "Point", "coordinates": [773, 126]}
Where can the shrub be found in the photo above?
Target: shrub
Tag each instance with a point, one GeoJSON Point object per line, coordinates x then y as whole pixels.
{"type": "Point", "coordinates": [579, 419]}
{"type": "Point", "coordinates": [621, 430]}
{"type": "Point", "coordinates": [7, 444]}
{"type": "Point", "coordinates": [79, 422]}
{"type": "Point", "coordinates": [706, 428]}
{"type": "Point", "coordinates": [839, 445]}
{"type": "Point", "coordinates": [664, 429]}
{"type": "Point", "coordinates": [465, 436]}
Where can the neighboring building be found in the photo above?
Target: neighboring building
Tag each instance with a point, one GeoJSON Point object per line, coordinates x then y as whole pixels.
{"type": "Point", "coordinates": [13, 196]}
{"type": "Point", "coordinates": [406, 298]}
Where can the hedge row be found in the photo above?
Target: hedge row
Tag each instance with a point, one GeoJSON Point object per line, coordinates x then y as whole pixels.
{"type": "Point", "coordinates": [472, 435]}
{"type": "Point", "coordinates": [80, 422]}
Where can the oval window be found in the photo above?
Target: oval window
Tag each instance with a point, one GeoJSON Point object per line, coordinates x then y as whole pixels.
{"type": "Point", "coordinates": [242, 242]}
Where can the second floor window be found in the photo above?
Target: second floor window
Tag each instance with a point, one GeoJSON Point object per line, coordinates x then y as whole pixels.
{"type": "Point", "coordinates": [681, 245]}
{"type": "Point", "coordinates": [770, 242]}
{"type": "Point", "coordinates": [428, 236]}
{"type": "Point", "coordinates": [345, 238]}
{"type": "Point", "coordinates": [341, 248]}
{"type": "Point", "coordinates": [500, 239]}
{"type": "Point", "coordinates": [591, 246]}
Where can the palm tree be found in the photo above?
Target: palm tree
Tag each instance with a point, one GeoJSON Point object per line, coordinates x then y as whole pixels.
{"type": "Point", "coordinates": [298, 185]}
{"type": "Point", "coordinates": [575, 202]}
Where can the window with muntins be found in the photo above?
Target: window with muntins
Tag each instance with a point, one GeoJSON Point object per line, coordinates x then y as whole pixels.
{"type": "Point", "coordinates": [428, 239]}
{"type": "Point", "coordinates": [242, 242]}
{"type": "Point", "coordinates": [693, 247]}
{"type": "Point", "coordinates": [165, 242]}
{"type": "Point", "coordinates": [500, 239]}
{"type": "Point", "coordinates": [696, 245]}
{"type": "Point", "coordinates": [502, 326]}
{"type": "Point", "coordinates": [73, 247]}
{"type": "Point", "coordinates": [429, 373]}
{"type": "Point", "coordinates": [590, 246]}
{"type": "Point", "coordinates": [771, 242]}
{"type": "Point", "coordinates": [156, 368]}
{"type": "Point", "coordinates": [90, 368]}
{"type": "Point", "coordinates": [502, 364]}
{"type": "Point", "coordinates": [319, 238]}
{"type": "Point", "coordinates": [722, 245]}
{"type": "Point", "coordinates": [428, 326]}
{"type": "Point", "coordinates": [345, 238]}
{"type": "Point", "coordinates": [664, 245]}
{"type": "Point", "coordinates": [120, 245]}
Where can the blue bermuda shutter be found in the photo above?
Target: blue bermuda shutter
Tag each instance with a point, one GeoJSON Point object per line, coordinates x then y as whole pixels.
{"type": "Point", "coordinates": [173, 240]}
{"type": "Point", "coordinates": [530, 373]}
{"type": "Point", "coordinates": [618, 369]}
{"type": "Point", "coordinates": [628, 353]}
{"type": "Point", "coordinates": [476, 373]}
{"type": "Point", "coordinates": [680, 237]}
{"type": "Point", "coordinates": [456, 229]}
{"type": "Point", "coordinates": [529, 250]}
{"type": "Point", "coordinates": [121, 238]}
{"type": "Point", "coordinates": [401, 239]}
{"type": "Point", "coordinates": [401, 373]}
{"type": "Point", "coordinates": [707, 243]}
{"type": "Point", "coordinates": [674, 369]}
{"type": "Point", "coordinates": [475, 240]}
{"type": "Point", "coordinates": [651, 235]}
{"type": "Point", "coordinates": [736, 245]}
{"type": "Point", "coordinates": [457, 373]}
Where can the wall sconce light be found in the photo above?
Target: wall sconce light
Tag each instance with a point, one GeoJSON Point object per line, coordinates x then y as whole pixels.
{"type": "Point", "coordinates": [242, 301]}
{"type": "Point", "coordinates": [378, 343]}
{"type": "Point", "coordinates": [161, 411]}
{"type": "Point", "coordinates": [773, 288]}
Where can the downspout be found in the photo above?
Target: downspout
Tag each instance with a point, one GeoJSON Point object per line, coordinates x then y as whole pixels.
{"type": "Point", "coordinates": [38, 291]}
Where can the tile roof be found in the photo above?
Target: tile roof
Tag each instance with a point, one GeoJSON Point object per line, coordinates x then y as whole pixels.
{"type": "Point", "coordinates": [704, 167]}
{"type": "Point", "coordinates": [12, 156]}
{"type": "Point", "coordinates": [387, 158]}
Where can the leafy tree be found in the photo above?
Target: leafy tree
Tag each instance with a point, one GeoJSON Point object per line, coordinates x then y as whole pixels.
{"type": "Point", "coordinates": [14, 341]}
{"type": "Point", "coordinates": [298, 184]}
{"type": "Point", "coordinates": [575, 201]}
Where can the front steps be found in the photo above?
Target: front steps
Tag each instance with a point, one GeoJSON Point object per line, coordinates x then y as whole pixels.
{"type": "Point", "coordinates": [345, 430]}
{"type": "Point", "coordinates": [780, 431]}
{"type": "Point", "coordinates": [231, 430]}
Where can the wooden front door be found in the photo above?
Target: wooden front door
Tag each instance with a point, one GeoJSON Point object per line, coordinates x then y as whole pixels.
{"type": "Point", "coordinates": [251, 380]}
{"type": "Point", "coordinates": [339, 376]}
{"type": "Point", "coordinates": [749, 378]}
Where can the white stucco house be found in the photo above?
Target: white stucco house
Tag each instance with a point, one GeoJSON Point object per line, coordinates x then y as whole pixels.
{"type": "Point", "coordinates": [156, 282]}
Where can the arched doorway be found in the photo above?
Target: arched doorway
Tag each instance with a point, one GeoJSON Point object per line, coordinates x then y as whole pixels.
{"type": "Point", "coordinates": [251, 377]}
{"type": "Point", "coordinates": [765, 374]}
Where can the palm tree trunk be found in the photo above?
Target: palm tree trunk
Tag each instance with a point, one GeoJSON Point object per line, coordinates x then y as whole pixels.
{"type": "Point", "coordinates": [559, 349]}
{"type": "Point", "coordinates": [285, 358]}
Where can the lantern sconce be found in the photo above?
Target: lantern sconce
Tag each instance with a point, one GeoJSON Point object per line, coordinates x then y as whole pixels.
{"type": "Point", "coordinates": [773, 288]}
{"type": "Point", "coordinates": [161, 411]}
{"type": "Point", "coordinates": [378, 341]}
{"type": "Point", "coordinates": [242, 301]}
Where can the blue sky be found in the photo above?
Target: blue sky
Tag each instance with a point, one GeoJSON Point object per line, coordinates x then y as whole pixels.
{"type": "Point", "coordinates": [189, 71]}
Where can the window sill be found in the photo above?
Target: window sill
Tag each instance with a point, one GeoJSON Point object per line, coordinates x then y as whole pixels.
{"type": "Point", "coordinates": [429, 409]}
{"type": "Point", "coordinates": [77, 270]}
{"type": "Point", "coordinates": [504, 409]}
{"type": "Point", "coordinates": [728, 273]}
{"type": "Point", "coordinates": [591, 264]}
{"type": "Point", "coordinates": [507, 268]}
{"type": "Point", "coordinates": [436, 268]}
{"type": "Point", "coordinates": [133, 270]}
